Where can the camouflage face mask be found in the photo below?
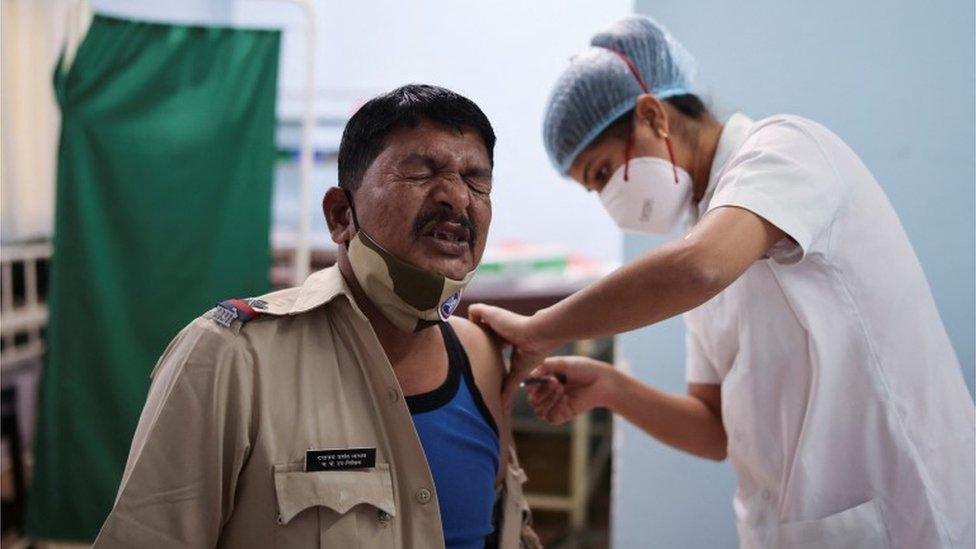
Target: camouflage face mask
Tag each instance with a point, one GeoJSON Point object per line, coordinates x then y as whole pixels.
{"type": "Point", "coordinates": [408, 296]}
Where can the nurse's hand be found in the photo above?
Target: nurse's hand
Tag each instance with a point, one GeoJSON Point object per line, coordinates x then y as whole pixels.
{"type": "Point", "coordinates": [589, 384]}
{"type": "Point", "coordinates": [518, 331]}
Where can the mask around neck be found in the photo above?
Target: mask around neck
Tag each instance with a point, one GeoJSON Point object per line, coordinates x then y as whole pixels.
{"type": "Point", "coordinates": [409, 297]}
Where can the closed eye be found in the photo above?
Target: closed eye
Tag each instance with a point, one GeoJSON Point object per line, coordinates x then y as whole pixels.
{"type": "Point", "coordinates": [600, 178]}
{"type": "Point", "coordinates": [479, 184]}
{"type": "Point", "coordinates": [418, 176]}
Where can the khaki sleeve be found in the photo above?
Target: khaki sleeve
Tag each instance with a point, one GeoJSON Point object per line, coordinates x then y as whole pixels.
{"type": "Point", "coordinates": [513, 517]}
{"type": "Point", "coordinates": [191, 442]}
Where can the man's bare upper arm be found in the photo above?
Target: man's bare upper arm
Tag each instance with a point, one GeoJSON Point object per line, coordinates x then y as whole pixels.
{"type": "Point", "coordinates": [488, 368]}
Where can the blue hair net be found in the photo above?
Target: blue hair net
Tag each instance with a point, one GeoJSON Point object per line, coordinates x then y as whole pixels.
{"type": "Point", "coordinates": [600, 84]}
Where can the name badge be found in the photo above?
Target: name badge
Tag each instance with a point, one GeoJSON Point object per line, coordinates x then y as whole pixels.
{"type": "Point", "coordinates": [340, 460]}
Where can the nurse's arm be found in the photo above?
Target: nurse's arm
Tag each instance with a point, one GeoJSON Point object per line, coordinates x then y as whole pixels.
{"type": "Point", "coordinates": [666, 281]}
{"type": "Point", "coordinates": [691, 422]}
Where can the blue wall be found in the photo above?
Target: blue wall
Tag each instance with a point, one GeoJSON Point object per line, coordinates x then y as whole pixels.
{"type": "Point", "coordinates": [893, 79]}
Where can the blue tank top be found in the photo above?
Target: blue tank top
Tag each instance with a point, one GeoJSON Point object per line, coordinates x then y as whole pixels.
{"type": "Point", "coordinates": [460, 439]}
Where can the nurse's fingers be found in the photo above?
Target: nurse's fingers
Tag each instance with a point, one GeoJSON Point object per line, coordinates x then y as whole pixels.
{"type": "Point", "coordinates": [535, 393]}
{"type": "Point", "coordinates": [545, 401]}
{"type": "Point", "coordinates": [514, 328]}
{"type": "Point", "coordinates": [542, 370]}
{"type": "Point", "coordinates": [505, 324]}
{"type": "Point", "coordinates": [522, 364]}
{"type": "Point", "coordinates": [540, 386]}
{"type": "Point", "coordinates": [561, 411]}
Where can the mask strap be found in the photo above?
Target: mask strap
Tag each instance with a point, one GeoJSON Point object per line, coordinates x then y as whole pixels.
{"type": "Point", "coordinates": [352, 208]}
{"type": "Point", "coordinates": [633, 68]}
{"type": "Point", "coordinates": [667, 141]}
{"type": "Point", "coordinates": [627, 151]}
{"type": "Point", "coordinates": [643, 85]}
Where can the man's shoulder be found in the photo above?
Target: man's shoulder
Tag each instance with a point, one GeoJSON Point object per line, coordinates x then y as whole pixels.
{"type": "Point", "coordinates": [319, 288]}
{"type": "Point", "coordinates": [202, 344]}
{"type": "Point", "coordinates": [236, 312]}
{"type": "Point", "coordinates": [226, 329]}
{"type": "Point", "coordinates": [482, 348]}
{"type": "Point", "coordinates": [488, 369]}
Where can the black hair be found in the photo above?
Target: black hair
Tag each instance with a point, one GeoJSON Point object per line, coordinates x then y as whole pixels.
{"type": "Point", "coordinates": [687, 104]}
{"type": "Point", "coordinates": [365, 134]}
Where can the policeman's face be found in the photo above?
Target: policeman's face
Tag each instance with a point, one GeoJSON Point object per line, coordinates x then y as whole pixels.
{"type": "Point", "coordinates": [427, 198]}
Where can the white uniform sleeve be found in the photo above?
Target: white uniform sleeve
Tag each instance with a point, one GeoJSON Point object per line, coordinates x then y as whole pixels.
{"type": "Point", "coordinates": [698, 368]}
{"type": "Point", "coordinates": [191, 442]}
{"type": "Point", "coordinates": [782, 174]}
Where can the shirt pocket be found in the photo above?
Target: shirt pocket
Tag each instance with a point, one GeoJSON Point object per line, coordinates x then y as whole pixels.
{"type": "Point", "coordinates": [860, 527]}
{"type": "Point", "coordinates": [335, 508]}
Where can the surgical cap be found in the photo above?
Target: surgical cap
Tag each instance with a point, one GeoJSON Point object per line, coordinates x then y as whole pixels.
{"type": "Point", "coordinates": [599, 86]}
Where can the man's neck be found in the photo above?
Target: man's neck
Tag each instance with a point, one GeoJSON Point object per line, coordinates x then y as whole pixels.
{"type": "Point", "coordinates": [396, 343]}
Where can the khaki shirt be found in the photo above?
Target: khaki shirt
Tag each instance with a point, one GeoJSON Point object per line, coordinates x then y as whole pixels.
{"type": "Point", "coordinates": [218, 456]}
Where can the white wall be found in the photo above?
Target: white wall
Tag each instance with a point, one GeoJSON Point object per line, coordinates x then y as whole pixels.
{"type": "Point", "coordinates": [31, 34]}
{"type": "Point", "coordinates": [896, 81]}
{"type": "Point", "coordinates": [504, 55]}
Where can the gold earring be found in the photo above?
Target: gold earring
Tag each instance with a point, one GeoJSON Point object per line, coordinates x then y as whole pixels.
{"type": "Point", "coordinates": [662, 133]}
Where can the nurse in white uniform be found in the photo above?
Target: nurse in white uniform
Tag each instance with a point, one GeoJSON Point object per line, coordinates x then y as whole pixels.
{"type": "Point", "coordinates": [816, 358]}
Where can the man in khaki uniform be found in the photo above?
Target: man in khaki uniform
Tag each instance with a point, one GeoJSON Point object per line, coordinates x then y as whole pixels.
{"type": "Point", "coordinates": [283, 421]}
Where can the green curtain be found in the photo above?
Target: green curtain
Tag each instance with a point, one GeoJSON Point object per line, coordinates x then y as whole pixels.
{"type": "Point", "coordinates": [163, 208]}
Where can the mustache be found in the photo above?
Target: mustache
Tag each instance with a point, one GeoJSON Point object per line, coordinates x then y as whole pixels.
{"type": "Point", "coordinates": [443, 215]}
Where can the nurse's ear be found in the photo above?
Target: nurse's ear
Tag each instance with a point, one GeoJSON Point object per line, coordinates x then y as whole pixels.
{"type": "Point", "coordinates": [651, 128]}
{"type": "Point", "coordinates": [649, 112]}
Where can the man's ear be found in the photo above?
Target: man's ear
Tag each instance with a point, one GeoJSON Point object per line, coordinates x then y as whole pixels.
{"type": "Point", "coordinates": [650, 111]}
{"type": "Point", "coordinates": [338, 215]}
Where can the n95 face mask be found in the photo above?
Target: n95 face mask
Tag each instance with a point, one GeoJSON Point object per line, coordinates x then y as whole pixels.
{"type": "Point", "coordinates": [647, 195]}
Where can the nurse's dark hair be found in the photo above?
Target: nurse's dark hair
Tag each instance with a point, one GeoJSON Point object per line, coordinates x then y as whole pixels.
{"type": "Point", "coordinates": [364, 137]}
{"type": "Point", "coordinates": [687, 104]}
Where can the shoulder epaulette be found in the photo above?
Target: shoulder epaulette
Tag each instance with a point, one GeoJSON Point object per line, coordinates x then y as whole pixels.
{"type": "Point", "coordinates": [245, 310]}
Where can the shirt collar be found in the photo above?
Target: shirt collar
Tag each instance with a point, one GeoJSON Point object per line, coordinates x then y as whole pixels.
{"type": "Point", "coordinates": [734, 133]}
{"type": "Point", "coordinates": [319, 288]}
